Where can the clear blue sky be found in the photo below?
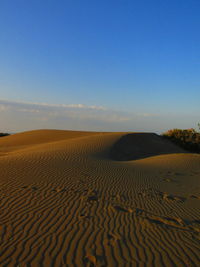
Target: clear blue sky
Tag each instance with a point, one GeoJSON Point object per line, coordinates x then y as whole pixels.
{"type": "Point", "coordinates": [135, 56]}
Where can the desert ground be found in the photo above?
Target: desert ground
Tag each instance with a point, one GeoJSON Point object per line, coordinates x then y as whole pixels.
{"type": "Point", "coordinates": [71, 198]}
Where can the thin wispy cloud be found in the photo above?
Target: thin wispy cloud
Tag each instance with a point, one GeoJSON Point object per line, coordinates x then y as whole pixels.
{"type": "Point", "coordinates": [79, 111]}
{"type": "Point", "coordinates": [4, 102]}
{"type": "Point", "coordinates": [68, 116]}
{"type": "Point", "coordinates": [18, 116]}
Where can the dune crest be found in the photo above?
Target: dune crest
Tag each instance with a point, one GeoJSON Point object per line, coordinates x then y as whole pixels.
{"type": "Point", "coordinates": [70, 198]}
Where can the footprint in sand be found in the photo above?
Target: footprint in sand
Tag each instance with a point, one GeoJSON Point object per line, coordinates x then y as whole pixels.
{"type": "Point", "coordinates": [123, 209]}
{"type": "Point", "coordinates": [175, 222]}
{"type": "Point", "coordinates": [178, 223]}
{"type": "Point", "coordinates": [116, 197]}
{"type": "Point", "coordinates": [59, 190]}
{"type": "Point", "coordinates": [139, 212]}
{"type": "Point", "coordinates": [34, 188]}
{"type": "Point", "coordinates": [93, 196]}
{"type": "Point", "coordinates": [30, 187]}
{"type": "Point", "coordinates": [112, 239]}
{"type": "Point", "coordinates": [169, 197]}
{"type": "Point", "coordinates": [195, 197]}
{"type": "Point", "coordinates": [143, 194]}
{"type": "Point", "coordinates": [93, 258]}
{"type": "Point", "coordinates": [85, 216]}
{"type": "Point", "coordinates": [90, 260]}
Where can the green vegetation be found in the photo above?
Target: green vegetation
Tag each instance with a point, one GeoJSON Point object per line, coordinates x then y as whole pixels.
{"type": "Point", "coordinates": [3, 134]}
{"type": "Point", "coordinates": [188, 139]}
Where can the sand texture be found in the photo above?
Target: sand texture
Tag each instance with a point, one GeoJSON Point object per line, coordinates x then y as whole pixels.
{"type": "Point", "coordinates": [72, 198]}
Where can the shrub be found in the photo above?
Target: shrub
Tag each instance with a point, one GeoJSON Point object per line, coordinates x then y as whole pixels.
{"type": "Point", "coordinates": [188, 139]}
{"type": "Point", "coordinates": [3, 134]}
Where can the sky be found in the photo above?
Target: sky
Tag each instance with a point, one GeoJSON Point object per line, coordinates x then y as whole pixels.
{"type": "Point", "coordinates": [109, 65]}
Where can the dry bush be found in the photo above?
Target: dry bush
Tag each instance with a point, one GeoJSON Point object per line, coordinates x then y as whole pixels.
{"type": "Point", "coordinates": [188, 139]}
{"type": "Point", "coordinates": [3, 134]}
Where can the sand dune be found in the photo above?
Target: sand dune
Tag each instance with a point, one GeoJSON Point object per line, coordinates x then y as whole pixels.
{"type": "Point", "coordinates": [98, 199]}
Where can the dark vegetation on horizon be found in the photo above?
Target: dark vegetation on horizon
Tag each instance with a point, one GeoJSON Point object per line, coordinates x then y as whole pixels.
{"type": "Point", "coordinates": [3, 134]}
{"type": "Point", "coordinates": [188, 139]}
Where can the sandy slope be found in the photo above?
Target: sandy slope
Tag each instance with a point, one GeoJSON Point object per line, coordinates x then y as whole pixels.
{"type": "Point", "coordinates": [69, 199]}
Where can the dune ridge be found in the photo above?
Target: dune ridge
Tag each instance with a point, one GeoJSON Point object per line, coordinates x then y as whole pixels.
{"type": "Point", "coordinates": [70, 198]}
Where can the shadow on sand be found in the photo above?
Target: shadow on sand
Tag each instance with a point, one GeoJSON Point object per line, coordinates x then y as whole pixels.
{"type": "Point", "coordinates": [136, 146]}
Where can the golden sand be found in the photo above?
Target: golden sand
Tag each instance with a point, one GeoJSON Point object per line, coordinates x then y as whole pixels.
{"type": "Point", "coordinates": [72, 198]}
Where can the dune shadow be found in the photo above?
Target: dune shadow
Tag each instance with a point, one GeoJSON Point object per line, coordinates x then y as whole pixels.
{"type": "Point", "coordinates": [136, 146]}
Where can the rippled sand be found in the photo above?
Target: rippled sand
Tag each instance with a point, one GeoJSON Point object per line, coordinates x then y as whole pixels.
{"type": "Point", "coordinates": [72, 198]}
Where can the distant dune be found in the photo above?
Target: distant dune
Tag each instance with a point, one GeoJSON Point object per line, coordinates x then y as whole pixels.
{"type": "Point", "coordinates": [70, 198]}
